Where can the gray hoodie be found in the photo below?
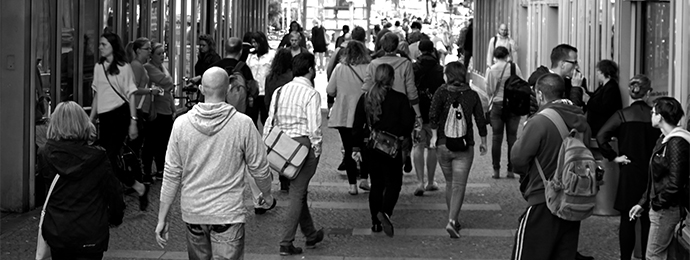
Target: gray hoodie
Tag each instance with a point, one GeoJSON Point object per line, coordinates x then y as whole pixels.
{"type": "Point", "coordinates": [210, 149]}
{"type": "Point", "coordinates": [404, 76]}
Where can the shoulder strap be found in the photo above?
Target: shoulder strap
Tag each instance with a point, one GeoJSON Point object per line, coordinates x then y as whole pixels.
{"type": "Point", "coordinates": [494, 47]}
{"type": "Point", "coordinates": [621, 115]}
{"type": "Point", "coordinates": [355, 72]}
{"type": "Point", "coordinates": [50, 191]}
{"type": "Point", "coordinates": [275, 108]}
{"type": "Point", "coordinates": [498, 83]}
{"type": "Point", "coordinates": [512, 68]}
{"type": "Point", "coordinates": [111, 84]}
{"type": "Point", "coordinates": [557, 120]}
{"type": "Point", "coordinates": [238, 67]}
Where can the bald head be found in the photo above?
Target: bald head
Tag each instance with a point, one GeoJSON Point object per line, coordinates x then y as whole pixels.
{"type": "Point", "coordinates": [551, 86]}
{"type": "Point", "coordinates": [214, 84]}
{"type": "Point", "coordinates": [503, 30]}
{"type": "Point", "coordinates": [233, 47]}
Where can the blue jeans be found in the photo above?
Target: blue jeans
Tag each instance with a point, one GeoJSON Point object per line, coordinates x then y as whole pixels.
{"type": "Point", "coordinates": [499, 122]}
{"type": "Point", "coordinates": [661, 228]}
{"type": "Point", "coordinates": [206, 242]}
{"type": "Point", "coordinates": [298, 211]}
{"type": "Point", "coordinates": [456, 169]}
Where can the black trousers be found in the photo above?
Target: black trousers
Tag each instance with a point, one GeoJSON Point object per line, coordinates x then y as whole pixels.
{"type": "Point", "coordinates": [113, 130]}
{"type": "Point", "coordinates": [259, 109]}
{"type": "Point", "coordinates": [350, 164]}
{"type": "Point", "coordinates": [65, 254]}
{"type": "Point", "coordinates": [386, 182]}
{"type": "Point", "coordinates": [626, 234]}
{"type": "Point", "coordinates": [156, 142]}
{"type": "Point", "coordinates": [544, 236]}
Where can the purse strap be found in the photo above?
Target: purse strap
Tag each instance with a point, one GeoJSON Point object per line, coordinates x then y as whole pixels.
{"type": "Point", "coordinates": [50, 191]}
{"type": "Point", "coordinates": [498, 83]}
{"type": "Point", "coordinates": [111, 84]}
{"type": "Point", "coordinates": [356, 74]}
{"type": "Point", "coordinates": [275, 108]}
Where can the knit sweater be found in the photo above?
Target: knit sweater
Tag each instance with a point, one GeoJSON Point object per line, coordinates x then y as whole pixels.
{"type": "Point", "coordinates": [210, 149]}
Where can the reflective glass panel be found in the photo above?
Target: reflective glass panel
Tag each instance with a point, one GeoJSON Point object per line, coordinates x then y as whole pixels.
{"type": "Point", "coordinates": [656, 46]}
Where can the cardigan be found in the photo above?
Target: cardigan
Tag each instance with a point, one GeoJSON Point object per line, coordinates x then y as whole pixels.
{"type": "Point", "coordinates": [346, 87]}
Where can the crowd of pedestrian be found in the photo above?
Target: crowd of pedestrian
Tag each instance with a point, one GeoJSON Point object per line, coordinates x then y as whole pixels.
{"type": "Point", "coordinates": [394, 107]}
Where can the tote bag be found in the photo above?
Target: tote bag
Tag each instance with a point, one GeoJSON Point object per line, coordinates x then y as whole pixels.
{"type": "Point", "coordinates": [42, 248]}
{"type": "Point", "coordinates": [285, 155]}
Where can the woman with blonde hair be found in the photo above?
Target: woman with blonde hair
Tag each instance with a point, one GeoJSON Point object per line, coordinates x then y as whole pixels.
{"type": "Point", "coordinates": [87, 197]}
{"type": "Point", "coordinates": [387, 114]}
{"type": "Point", "coordinates": [346, 84]}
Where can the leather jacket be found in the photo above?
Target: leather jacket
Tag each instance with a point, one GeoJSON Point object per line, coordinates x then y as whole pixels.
{"type": "Point", "coordinates": [668, 175]}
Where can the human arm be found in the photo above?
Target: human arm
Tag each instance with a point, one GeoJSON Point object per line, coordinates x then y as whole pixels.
{"type": "Point", "coordinates": [608, 131]}
{"type": "Point", "coordinates": [332, 62]}
{"type": "Point", "coordinates": [359, 125]}
{"type": "Point", "coordinates": [171, 183]}
{"type": "Point", "coordinates": [139, 72]}
{"type": "Point", "coordinates": [490, 84]}
{"type": "Point", "coordinates": [513, 51]}
{"type": "Point", "coordinates": [313, 109]}
{"type": "Point", "coordinates": [435, 110]}
{"type": "Point", "coordinates": [94, 106]}
{"type": "Point", "coordinates": [490, 53]}
{"type": "Point", "coordinates": [369, 77]}
{"type": "Point", "coordinates": [332, 89]}
{"type": "Point", "coordinates": [527, 146]}
{"type": "Point", "coordinates": [254, 151]}
{"type": "Point", "coordinates": [479, 119]}
{"type": "Point", "coordinates": [677, 155]}
{"type": "Point", "coordinates": [412, 93]}
{"type": "Point", "coordinates": [130, 89]}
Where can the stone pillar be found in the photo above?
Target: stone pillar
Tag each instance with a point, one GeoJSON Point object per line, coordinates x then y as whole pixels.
{"type": "Point", "coordinates": [249, 16]}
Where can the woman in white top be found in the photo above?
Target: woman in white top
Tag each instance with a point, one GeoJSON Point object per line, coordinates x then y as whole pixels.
{"type": "Point", "coordinates": [114, 105]}
{"type": "Point", "coordinates": [346, 86]}
{"type": "Point", "coordinates": [499, 119]}
{"type": "Point", "coordinates": [260, 64]}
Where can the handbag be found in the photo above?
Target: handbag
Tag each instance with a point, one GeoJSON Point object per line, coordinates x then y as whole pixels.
{"type": "Point", "coordinates": [679, 248]}
{"type": "Point", "coordinates": [42, 248]}
{"type": "Point", "coordinates": [487, 116]}
{"type": "Point", "coordinates": [382, 141]}
{"type": "Point", "coordinates": [285, 155]}
{"type": "Point", "coordinates": [152, 108]}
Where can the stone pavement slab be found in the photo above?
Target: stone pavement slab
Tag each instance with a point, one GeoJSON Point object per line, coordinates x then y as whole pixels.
{"type": "Point", "coordinates": [354, 205]}
{"type": "Point", "coordinates": [175, 255]}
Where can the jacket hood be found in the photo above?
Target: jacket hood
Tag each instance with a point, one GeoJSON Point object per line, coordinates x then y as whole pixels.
{"type": "Point", "coordinates": [536, 74]}
{"type": "Point", "coordinates": [394, 61]}
{"type": "Point", "coordinates": [73, 159]}
{"type": "Point", "coordinates": [209, 118]}
{"type": "Point", "coordinates": [427, 62]}
{"type": "Point", "coordinates": [677, 132]}
{"type": "Point", "coordinates": [460, 87]}
{"type": "Point", "coordinates": [572, 115]}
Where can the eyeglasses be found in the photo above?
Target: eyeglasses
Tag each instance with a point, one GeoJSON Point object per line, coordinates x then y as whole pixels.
{"type": "Point", "coordinates": [571, 62]}
{"type": "Point", "coordinates": [147, 49]}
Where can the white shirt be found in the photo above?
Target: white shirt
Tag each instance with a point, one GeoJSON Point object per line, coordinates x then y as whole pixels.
{"type": "Point", "coordinates": [108, 99]}
{"type": "Point", "coordinates": [299, 111]}
{"type": "Point", "coordinates": [261, 67]}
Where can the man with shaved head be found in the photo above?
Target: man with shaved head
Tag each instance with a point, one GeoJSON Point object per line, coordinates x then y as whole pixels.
{"type": "Point", "coordinates": [502, 38]}
{"type": "Point", "coordinates": [542, 235]}
{"type": "Point", "coordinates": [210, 148]}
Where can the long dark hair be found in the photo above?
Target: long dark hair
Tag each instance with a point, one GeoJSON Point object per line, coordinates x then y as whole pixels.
{"type": "Point", "coordinates": [383, 80]}
{"type": "Point", "coordinates": [355, 53]}
{"type": "Point", "coordinates": [119, 57]}
{"type": "Point", "coordinates": [261, 39]}
{"type": "Point", "coordinates": [211, 47]}
{"type": "Point", "coordinates": [456, 74]}
{"type": "Point", "coordinates": [282, 62]}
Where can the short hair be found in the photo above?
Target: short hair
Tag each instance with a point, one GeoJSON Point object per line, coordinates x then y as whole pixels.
{"type": "Point", "coordinates": [389, 42]}
{"type": "Point", "coordinates": [215, 82]}
{"type": "Point", "coordinates": [416, 25]}
{"type": "Point", "coordinates": [387, 25]}
{"type": "Point", "coordinates": [302, 63]}
{"type": "Point", "coordinates": [608, 68]}
{"type": "Point", "coordinates": [233, 45]}
{"type": "Point", "coordinates": [355, 53]}
{"type": "Point", "coordinates": [299, 27]}
{"type": "Point", "coordinates": [561, 53]}
{"type": "Point", "coordinates": [155, 46]}
{"type": "Point", "coordinates": [70, 122]}
{"type": "Point", "coordinates": [670, 110]}
{"type": "Point", "coordinates": [346, 29]}
{"type": "Point", "coordinates": [456, 73]}
{"type": "Point", "coordinates": [293, 33]}
{"type": "Point", "coordinates": [501, 52]}
{"type": "Point", "coordinates": [358, 34]}
{"type": "Point", "coordinates": [551, 85]}
{"type": "Point", "coordinates": [261, 39]}
{"type": "Point", "coordinates": [397, 23]}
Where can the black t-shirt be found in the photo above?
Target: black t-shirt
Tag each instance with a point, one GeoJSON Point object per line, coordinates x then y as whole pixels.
{"type": "Point", "coordinates": [229, 64]}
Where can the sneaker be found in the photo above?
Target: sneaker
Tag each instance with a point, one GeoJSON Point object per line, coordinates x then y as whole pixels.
{"type": "Point", "coordinates": [353, 189]}
{"type": "Point", "coordinates": [432, 187]}
{"type": "Point", "coordinates": [147, 179]}
{"type": "Point", "coordinates": [319, 237]}
{"type": "Point", "coordinates": [364, 184]}
{"type": "Point", "coordinates": [144, 199]}
{"type": "Point", "coordinates": [419, 191]}
{"type": "Point", "coordinates": [510, 175]}
{"type": "Point", "coordinates": [496, 175]}
{"type": "Point", "coordinates": [386, 223]}
{"type": "Point", "coordinates": [408, 164]}
{"type": "Point", "coordinates": [290, 250]}
{"type": "Point", "coordinates": [342, 166]}
{"type": "Point", "coordinates": [453, 229]}
{"type": "Point", "coordinates": [284, 187]}
{"type": "Point", "coordinates": [376, 228]}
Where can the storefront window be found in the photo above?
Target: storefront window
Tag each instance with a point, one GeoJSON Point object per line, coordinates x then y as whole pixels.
{"type": "Point", "coordinates": [656, 46]}
{"type": "Point", "coordinates": [90, 34]}
{"type": "Point", "coordinates": [44, 38]}
{"type": "Point", "coordinates": [68, 54]}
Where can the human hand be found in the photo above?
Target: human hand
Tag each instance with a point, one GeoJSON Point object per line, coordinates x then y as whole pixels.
{"type": "Point", "coordinates": [622, 160]}
{"type": "Point", "coordinates": [155, 91]}
{"type": "Point", "coordinates": [635, 212]}
{"type": "Point", "coordinates": [162, 233]}
{"type": "Point", "coordinates": [133, 131]}
{"type": "Point", "coordinates": [482, 149]}
{"type": "Point", "coordinates": [418, 123]}
{"type": "Point", "coordinates": [576, 80]}
{"type": "Point", "coordinates": [357, 156]}
{"type": "Point", "coordinates": [317, 150]}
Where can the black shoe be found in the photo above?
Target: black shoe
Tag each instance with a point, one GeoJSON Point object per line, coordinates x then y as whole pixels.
{"type": "Point", "coordinates": [284, 187]}
{"type": "Point", "coordinates": [342, 166]}
{"type": "Point", "coordinates": [386, 223]}
{"type": "Point", "coordinates": [376, 228]}
{"type": "Point", "coordinates": [144, 199]}
{"type": "Point", "coordinates": [147, 179]}
{"type": "Point", "coordinates": [261, 211]}
{"type": "Point", "coordinates": [290, 250]}
{"type": "Point", "coordinates": [319, 237]}
{"type": "Point", "coordinates": [408, 164]}
{"type": "Point", "coordinates": [583, 257]}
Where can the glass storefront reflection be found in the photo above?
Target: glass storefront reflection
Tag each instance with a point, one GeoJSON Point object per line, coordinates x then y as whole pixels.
{"type": "Point", "coordinates": [656, 46]}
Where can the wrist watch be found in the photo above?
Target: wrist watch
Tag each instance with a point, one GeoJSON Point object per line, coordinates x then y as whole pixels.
{"type": "Point", "coordinates": [135, 118]}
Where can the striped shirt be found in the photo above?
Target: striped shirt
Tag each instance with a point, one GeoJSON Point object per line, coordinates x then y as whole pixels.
{"type": "Point", "coordinates": [299, 111]}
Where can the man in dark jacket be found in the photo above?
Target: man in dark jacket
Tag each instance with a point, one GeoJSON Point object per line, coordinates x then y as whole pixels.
{"type": "Point", "coordinates": [233, 52]}
{"type": "Point", "coordinates": [428, 75]}
{"type": "Point", "coordinates": [564, 63]}
{"type": "Point", "coordinates": [541, 234]}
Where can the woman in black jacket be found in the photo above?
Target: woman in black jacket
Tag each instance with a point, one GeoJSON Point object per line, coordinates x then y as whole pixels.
{"type": "Point", "coordinates": [87, 197]}
{"type": "Point", "coordinates": [386, 112]}
{"type": "Point", "coordinates": [636, 138]}
{"type": "Point", "coordinates": [207, 54]}
{"type": "Point", "coordinates": [666, 196]}
{"type": "Point", "coordinates": [606, 100]}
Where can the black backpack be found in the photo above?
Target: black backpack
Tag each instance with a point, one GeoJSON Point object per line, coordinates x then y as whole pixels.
{"type": "Point", "coordinates": [516, 94]}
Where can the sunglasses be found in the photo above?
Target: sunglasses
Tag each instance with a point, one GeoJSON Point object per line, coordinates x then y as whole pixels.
{"type": "Point", "coordinates": [571, 62]}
